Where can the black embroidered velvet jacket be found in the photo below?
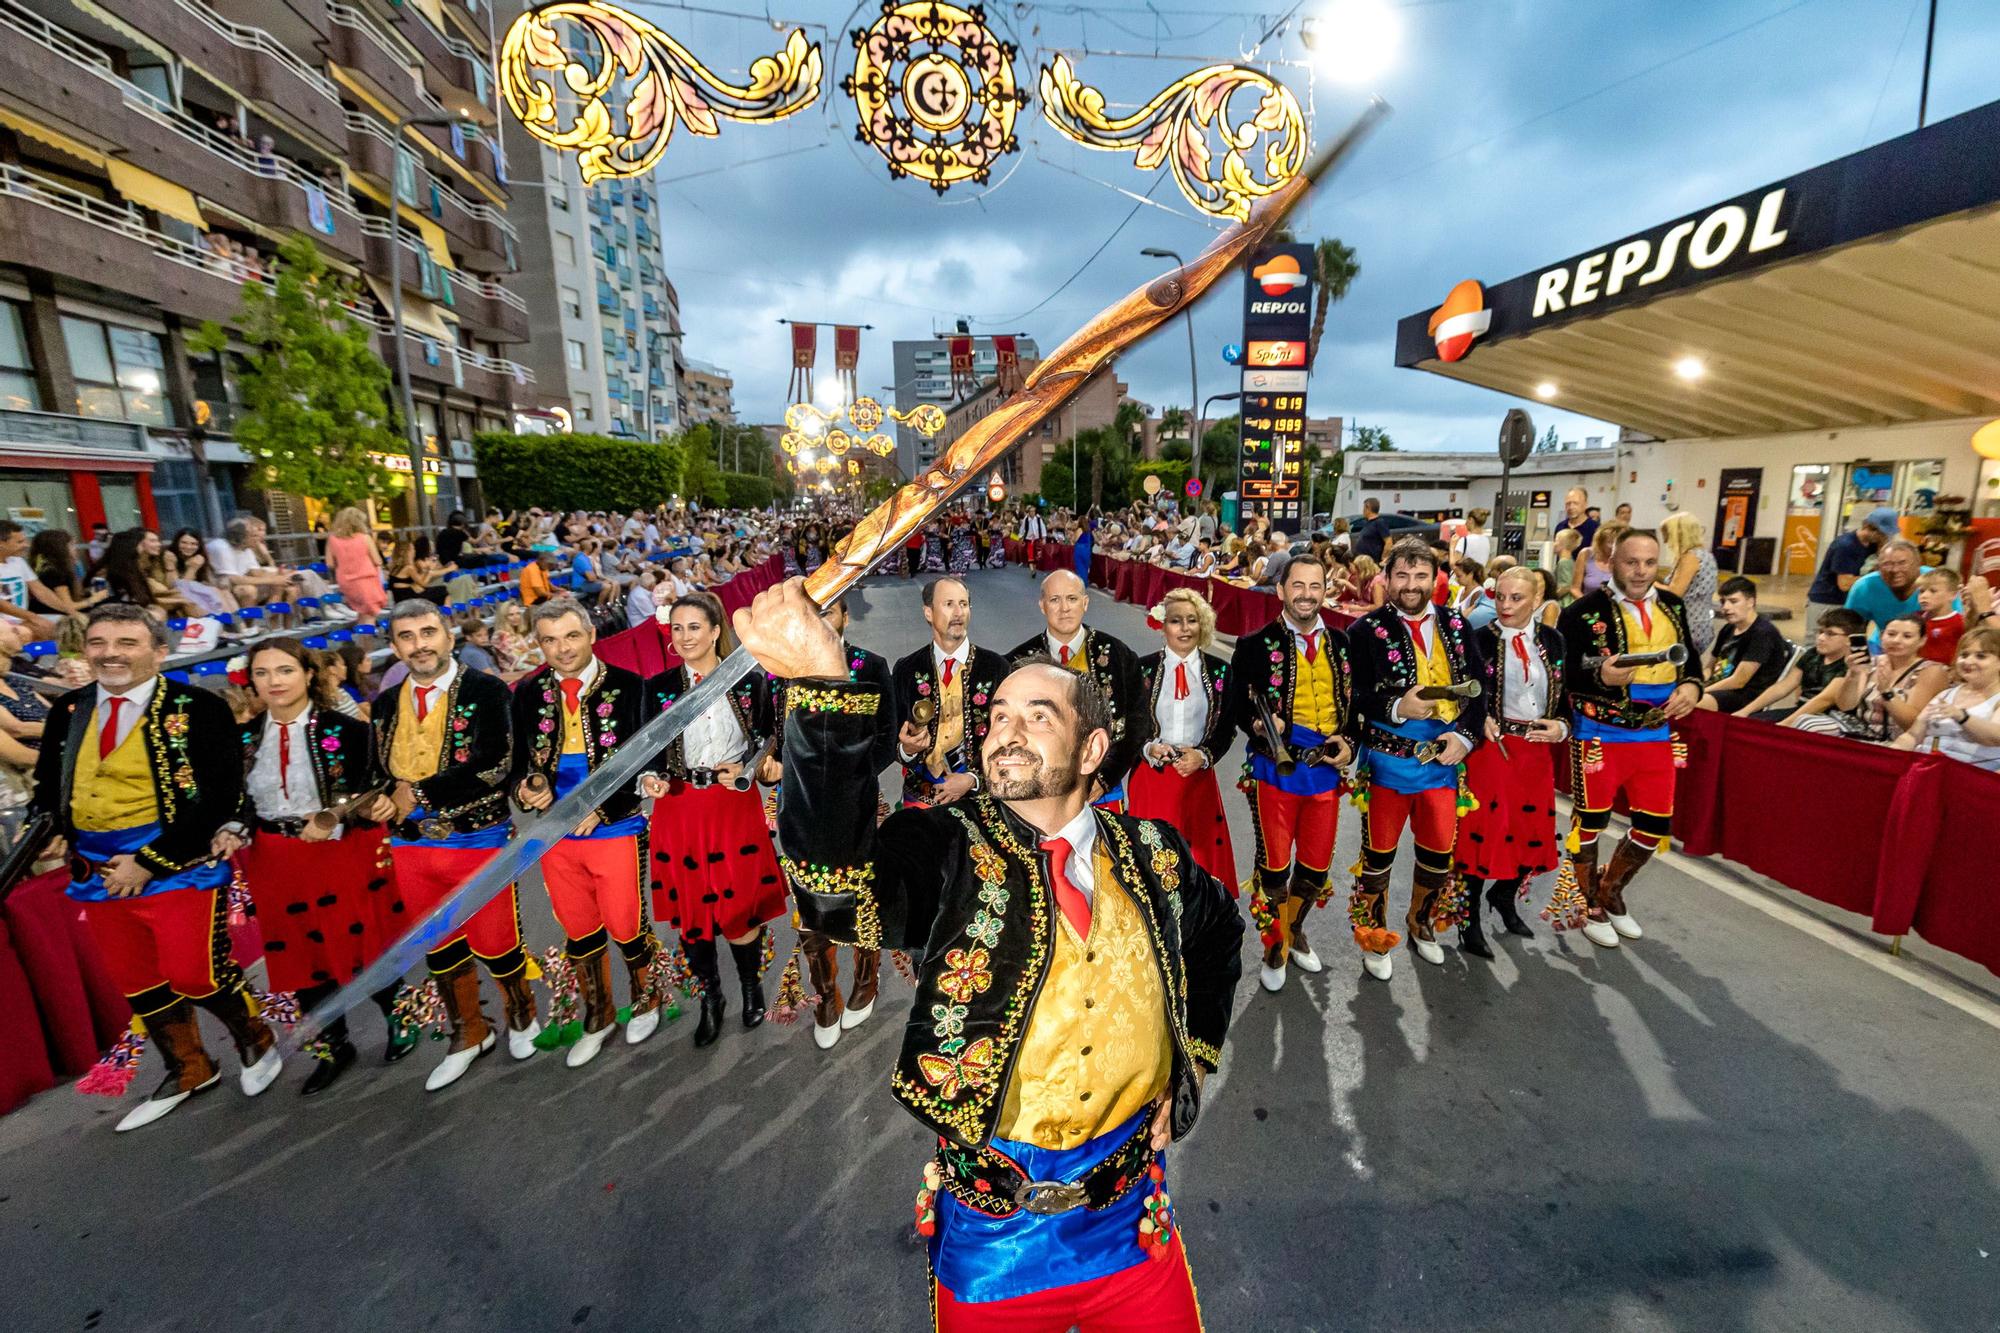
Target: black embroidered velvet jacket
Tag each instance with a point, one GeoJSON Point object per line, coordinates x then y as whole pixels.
{"type": "Point", "coordinates": [1267, 662]}
{"type": "Point", "coordinates": [613, 707]}
{"type": "Point", "coordinates": [342, 750]}
{"type": "Point", "coordinates": [1498, 677]}
{"type": "Point", "coordinates": [865, 668]}
{"type": "Point", "coordinates": [749, 699]}
{"type": "Point", "coordinates": [1594, 626]}
{"type": "Point", "coordinates": [1384, 654]}
{"type": "Point", "coordinates": [469, 790]}
{"type": "Point", "coordinates": [1115, 668]}
{"type": "Point", "coordinates": [966, 885]}
{"type": "Point", "coordinates": [197, 771]}
{"type": "Point", "coordinates": [916, 678]}
{"type": "Point", "coordinates": [1220, 729]}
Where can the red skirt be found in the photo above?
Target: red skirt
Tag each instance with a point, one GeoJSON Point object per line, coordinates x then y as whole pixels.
{"type": "Point", "coordinates": [714, 873]}
{"type": "Point", "coordinates": [1512, 832]}
{"type": "Point", "coordinates": [1194, 806]}
{"type": "Point", "coordinates": [325, 909]}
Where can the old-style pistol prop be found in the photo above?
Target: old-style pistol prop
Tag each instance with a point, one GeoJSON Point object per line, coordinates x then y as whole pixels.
{"type": "Point", "coordinates": [880, 534]}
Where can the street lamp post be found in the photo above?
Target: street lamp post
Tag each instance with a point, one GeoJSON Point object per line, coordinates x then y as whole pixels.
{"type": "Point", "coordinates": [418, 508]}
{"type": "Point", "coordinates": [1212, 398]}
{"type": "Point", "coordinates": [1194, 382]}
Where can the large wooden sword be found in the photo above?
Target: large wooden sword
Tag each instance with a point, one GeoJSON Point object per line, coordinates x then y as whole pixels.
{"type": "Point", "coordinates": [1055, 381]}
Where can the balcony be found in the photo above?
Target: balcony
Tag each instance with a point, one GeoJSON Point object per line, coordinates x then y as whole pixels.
{"type": "Point", "coordinates": [68, 436]}
{"type": "Point", "coordinates": [383, 63]}
{"type": "Point", "coordinates": [245, 58]}
{"type": "Point", "coordinates": [470, 17]}
{"type": "Point", "coordinates": [453, 70]}
{"type": "Point", "coordinates": [483, 232]}
{"type": "Point", "coordinates": [489, 310]}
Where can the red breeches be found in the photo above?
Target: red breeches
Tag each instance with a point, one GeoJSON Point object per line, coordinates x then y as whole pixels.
{"type": "Point", "coordinates": [595, 884]}
{"type": "Point", "coordinates": [1297, 827]}
{"type": "Point", "coordinates": [1433, 814]}
{"type": "Point", "coordinates": [426, 874]}
{"type": "Point", "coordinates": [1152, 1296]}
{"type": "Point", "coordinates": [179, 938]}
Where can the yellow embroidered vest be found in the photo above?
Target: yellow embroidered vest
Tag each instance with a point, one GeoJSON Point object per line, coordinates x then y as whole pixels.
{"type": "Point", "coordinates": [1313, 701]}
{"type": "Point", "coordinates": [117, 791]}
{"type": "Point", "coordinates": [413, 754]}
{"type": "Point", "coordinates": [1434, 668]}
{"type": "Point", "coordinates": [1096, 1051]}
{"type": "Point", "coordinates": [950, 719]}
{"type": "Point", "coordinates": [1638, 640]}
{"type": "Point", "coordinates": [572, 722]}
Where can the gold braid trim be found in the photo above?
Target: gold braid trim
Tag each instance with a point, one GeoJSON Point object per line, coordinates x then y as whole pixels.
{"type": "Point", "coordinates": [1202, 1051]}
{"type": "Point", "coordinates": [812, 700]}
{"type": "Point", "coordinates": [856, 880]}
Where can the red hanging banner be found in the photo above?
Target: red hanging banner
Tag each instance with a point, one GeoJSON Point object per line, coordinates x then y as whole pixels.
{"type": "Point", "coordinates": [846, 346]}
{"type": "Point", "coordinates": [1007, 362]}
{"type": "Point", "coordinates": [961, 363]}
{"type": "Point", "coordinates": [805, 350]}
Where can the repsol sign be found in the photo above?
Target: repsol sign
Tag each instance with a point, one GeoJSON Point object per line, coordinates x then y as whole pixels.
{"type": "Point", "coordinates": [1277, 308]}
{"type": "Point", "coordinates": [1693, 245]}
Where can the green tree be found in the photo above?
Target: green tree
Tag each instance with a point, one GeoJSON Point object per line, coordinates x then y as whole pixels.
{"type": "Point", "coordinates": [701, 479]}
{"type": "Point", "coordinates": [1173, 421]}
{"type": "Point", "coordinates": [1059, 483]}
{"type": "Point", "coordinates": [575, 471]}
{"type": "Point", "coordinates": [1334, 270]}
{"type": "Point", "coordinates": [315, 394]}
{"type": "Point", "coordinates": [1548, 444]}
{"type": "Point", "coordinates": [1372, 440]}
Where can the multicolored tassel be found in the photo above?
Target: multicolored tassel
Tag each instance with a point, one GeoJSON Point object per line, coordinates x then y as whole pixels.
{"type": "Point", "coordinates": [1568, 908]}
{"type": "Point", "coordinates": [1592, 759]}
{"type": "Point", "coordinates": [927, 1200]}
{"type": "Point", "coordinates": [1680, 752]}
{"type": "Point", "coordinates": [113, 1072]}
{"type": "Point", "coordinates": [565, 1025]}
{"type": "Point", "coordinates": [1156, 1228]}
{"type": "Point", "coordinates": [792, 997]}
{"type": "Point", "coordinates": [420, 1008]}
{"type": "Point", "coordinates": [238, 901]}
{"type": "Point", "coordinates": [904, 965]}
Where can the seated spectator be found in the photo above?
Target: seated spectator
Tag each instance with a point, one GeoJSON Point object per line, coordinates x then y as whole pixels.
{"type": "Point", "coordinates": [1961, 720]}
{"type": "Point", "coordinates": [1891, 590]}
{"type": "Point", "coordinates": [1944, 623]}
{"type": "Point", "coordinates": [1370, 589]}
{"type": "Point", "coordinates": [19, 587]}
{"type": "Point", "coordinates": [22, 712]}
{"type": "Point", "coordinates": [1878, 698]}
{"type": "Point", "coordinates": [334, 684]}
{"type": "Point", "coordinates": [52, 558]}
{"type": "Point", "coordinates": [536, 585]}
{"type": "Point", "coordinates": [640, 604]}
{"type": "Point", "coordinates": [133, 575]}
{"type": "Point", "coordinates": [451, 542]}
{"type": "Point", "coordinates": [238, 562]}
{"type": "Point", "coordinates": [1203, 563]}
{"type": "Point", "coordinates": [1180, 551]}
{"type": "Point", "coordinates": [1750, 653]}
{"type": "Point", "coordinates": [514, 648]}
{"type": "Point", "coordinates": [187, 570]}
{"type": "Point", "coordinates": [586, 585]}
{"type": "Point", "coordinates": [1813, 671]}
{"type": "Point", "coordinates": [100, 541]}
{"type": "Point", "coordinates": [413, 573]}
{"type": "Point", "coordinates": [475, 643]}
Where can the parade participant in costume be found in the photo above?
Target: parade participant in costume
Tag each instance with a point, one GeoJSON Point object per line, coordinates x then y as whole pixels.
{"type": "Point", "coordinates": [141, 773]}
{"type": "Point", "coordinates": [569, 718]}
{"type": "Point", "coordinates": [1411, 749]}
{"type": "Point", "coordinates": [1034, 532]}
{"type": "Point", "coordinates": [940, 756]}
{"type": "Point", "coordinates": [1297, 670]}
{"type": "Point", "coordinates": [822, 955]}
{"type": "Point", "coordinates": [1192, 730]}
{"type": "Point", "coordinates": [446, 741]}
{"type": "Point", "coordinates": [715, 876]}
{"type": "Point", "coordinates": [1509, 836]}
{"type": "Point", "coordinates": [1107, 661]}
{"type": "Point", "coordinates": [326, 896]}
{"type": "Point", "coordinates": [1623, 740]}
{"type": "Point", "coordinates": [1078, 977]}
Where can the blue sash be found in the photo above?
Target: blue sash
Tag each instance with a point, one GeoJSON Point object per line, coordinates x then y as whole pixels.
{"type": "Point", "coordinates": [479, 840]}
{"type": "Point", "coordinates": [980, 1258]}
{"type": "Point", "coordinates": [572, 769]}
{"type": "Point", "coordinates": [118, 842]}
{"type": "Point", "coordinates": [1653, 696]}
{"type": "Point", "coordinates": [1306, 779]}
{"type": "Point", "coordinates": [1404, 774]}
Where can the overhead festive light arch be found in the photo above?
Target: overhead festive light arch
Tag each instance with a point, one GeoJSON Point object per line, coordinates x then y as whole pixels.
{"type": "Point", "coordinates": [653, 79]}
{"type": "Point", "coordinates": [1173, 129]}
{"type": "Point", "coordinates": [814, 439]}
{"type": "Point", "coordinates": [935, 92]}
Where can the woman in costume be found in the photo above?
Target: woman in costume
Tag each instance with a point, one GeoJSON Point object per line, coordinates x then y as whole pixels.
{"type": "Point", "coordinates": [1509, 836]}
{"type": "Point", "coordinates": [325, 894]}
{"type": "Point", "coordinates": [715, 876]}
{"type": "Point", "coordinates": [1192, 729]}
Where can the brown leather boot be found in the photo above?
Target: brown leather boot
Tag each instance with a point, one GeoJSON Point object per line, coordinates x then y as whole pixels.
{"type": "Point", "coordinates": [823, 970]}
{"type": "Point", "coordinates": [867, 981]}
{"type": "Point", "coordinates": [1609, 899]}
{"type": "Point", "coordinates": [251, 1034]}
{"type": "Point", "coordinates": [644, 999]}
{"type": "Point", "coordinates": [517, 999]}
{"type": "Point", "coordinates": [459, 989]}
{"type": "Point", "coordinates": [177, 1036]}
{"type": "Point", "coordinates": [593, 982]}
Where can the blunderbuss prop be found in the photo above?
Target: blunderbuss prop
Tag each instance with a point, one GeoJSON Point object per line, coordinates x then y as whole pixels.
{"type": "Point", "coordinates": [1672, 655]}
{"type": "Point", "coordinates": [876, 537]}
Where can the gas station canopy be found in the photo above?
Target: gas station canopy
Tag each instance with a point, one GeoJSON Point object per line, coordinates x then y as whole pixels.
{"type": "Point", "coordinates": [1862, 292]}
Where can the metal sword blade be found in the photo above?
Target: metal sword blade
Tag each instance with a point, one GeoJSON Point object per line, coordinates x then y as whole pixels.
{"type": "Point", "coordinates": [530, 843]}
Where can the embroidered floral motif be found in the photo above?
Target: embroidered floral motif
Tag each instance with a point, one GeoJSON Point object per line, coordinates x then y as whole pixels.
{"type": "Point", "coordinates": [330, 744]}
{"type": "Point", "coordinates": [985, 928]}
{"type": "Point", "coordinates": [948, 1020]}
{"type": "Point", "coordinates": [176, 724]}
{"type": "Point", "coordinates": [833, 701]}
{"type": "Point", "coordinates": [968, 974]}
{"type": "Point", "coordinates": [970, 1070]}
{"type": "Point", "coordinates": [856, 880]}
{"type": "Point", "coordinates": [991, 868]}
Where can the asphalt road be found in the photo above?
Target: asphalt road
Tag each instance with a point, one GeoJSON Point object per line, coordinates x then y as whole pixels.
{"type": "Point", "coordinates": [1730, 1126]}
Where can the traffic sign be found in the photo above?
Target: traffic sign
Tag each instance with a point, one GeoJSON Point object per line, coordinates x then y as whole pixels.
{"type": "Point", "coordinates": [1193, 487]}
{"type": "Point", "coordinates": [1233, 353]}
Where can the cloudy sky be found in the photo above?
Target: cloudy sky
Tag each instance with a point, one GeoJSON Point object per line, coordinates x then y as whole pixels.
{"type": "Point", "coordinates": [1524, 131]}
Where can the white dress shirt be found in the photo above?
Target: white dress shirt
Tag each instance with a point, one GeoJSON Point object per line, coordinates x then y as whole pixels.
{"type": "Point", "coordinates": [136, 701]}
{"type": "Point", "coordinates": [714, 738]}
{"type": "Point", "coordinates": [295, 794]}
{"type": "Point", "coordinates": [1181, 721]}
{"type": "Point", "coordinates": [960, 658]}
{"type": "Point", "coordinates": [1081, 834]}
{"type": "Point", "coordinates": [440, 689]}
{"type": "Point", "coordinates": [1056, 646]}
{"type": "Point", "coordinates": [1525, 693]}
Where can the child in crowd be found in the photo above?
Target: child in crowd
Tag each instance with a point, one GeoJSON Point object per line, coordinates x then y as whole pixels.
{"type": "Point", "coordinates": [1944, 623]}
{"type": "Point", "coordinates": [1814, 671]}
{"type": "Point", "coordinates": [475, 643]}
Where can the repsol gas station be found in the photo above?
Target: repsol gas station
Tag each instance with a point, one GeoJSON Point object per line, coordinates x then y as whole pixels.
{"type": "Point", "coordinates": [1779, 362]}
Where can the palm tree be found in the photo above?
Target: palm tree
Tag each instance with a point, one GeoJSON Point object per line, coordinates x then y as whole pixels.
{"type": "Point", "coordinates": [1334, 271]}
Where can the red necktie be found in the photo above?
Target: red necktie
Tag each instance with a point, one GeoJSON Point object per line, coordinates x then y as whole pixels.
{"type": "Point", "coordinates": [1064, 650]}
{"type": "Point", "coordinates": [1417, 636]}
{"type": "Point", "coordinates": [1180, 680]}
{"type": "Point", "coordinates": [424, 701]}
{"type": "Point", "coordinates": [107, 739]}
{"type": "Point", "coordinates": [1521, 651]}
{"type": "Point", "coordinates": [1645, 615]}
{"type": "Point", "coordinates": [949, 662]}
{"type": "Point", "coordinates": [1068, 896]}
{"type": "Point", "coordinates": [572, 693]}
{"type": "Point", "coordinates": [285, 759]}
{"type": "Point", "coordinates": [1312, 646]}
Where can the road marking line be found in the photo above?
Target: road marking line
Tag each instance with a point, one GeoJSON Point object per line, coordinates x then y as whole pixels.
{"type": "Point", "coordinates": [1806, 923]}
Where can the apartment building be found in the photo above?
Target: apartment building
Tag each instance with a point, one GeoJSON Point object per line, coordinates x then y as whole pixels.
{"type": "Point", "coordinates": [710, 393]}
{"type": "Point", "coordinates": [923, 375]}
{"type": "Point", "coordinates": [154, 153]}
{"type": "Point", "coordinates": [1095, 405]}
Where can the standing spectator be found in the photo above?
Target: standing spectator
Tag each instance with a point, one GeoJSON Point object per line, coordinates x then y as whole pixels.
{"type": "Point", "coordinates": [18, 583]}
{"type": "Point", "coordinates": [1814, 670]}
{"type": "Point", "coordinates": [356, 563]}
{"type": "Point", "coordinates": [53, 560]}
{"type": "Point", "coordinates": [1473, 602]}
{"type": "Point", "coordinates": [1750, 653]}
{"type": "Point", "coordinates": [1475, 544]}
{"type": "Point", "coordinates": [1374, 534]}
{"type": "Point", "coordinates": [1961, 721]}
{"type": "Point", "coordinates": [1879, 697]}
{"type": "Point", "coordinates": [1577, 517]}
{"type": "Point", "coordinates": [1593, 570]}
{"type": "Point", "coordinates": [1891, 590]}
{"type": "Point", "coordinates": [1688, 568]}
{"type": "Point", "coordinates": [1944, 623]}
{"type": "Point", "coordinates": [100, 541]}
{"type": "Point", "coordinates": [1622, 514]}
{"type": "Point", "coordinates": [1566, 543]}
{"type": "Point", "coordinates": [1845, 558]}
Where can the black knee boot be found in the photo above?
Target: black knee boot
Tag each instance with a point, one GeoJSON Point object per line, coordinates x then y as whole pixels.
{"type": "Point", "coordinates": [749, 960]}
{"type": "Point", "coordinates": [1500, 897]}
{"type": "Point", "coordinates": [402, 1038]}
{"type": "Point", "coordinates": [1471, 931]}
{"type": "Point", "coordinates": [339, 1052]}
{"type": "Point", "coordinates": [707, 969]}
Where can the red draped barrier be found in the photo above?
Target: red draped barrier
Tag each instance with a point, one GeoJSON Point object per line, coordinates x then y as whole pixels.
{"type": "Point", "coordinates": [648, 650]}
{"type": "Point", "coordinates": [58, 1007]}
{"type": "Point", "coordinates": [1238, 610]}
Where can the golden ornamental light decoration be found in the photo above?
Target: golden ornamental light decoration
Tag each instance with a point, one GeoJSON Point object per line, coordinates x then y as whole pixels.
{"type": "Point", "coordinates": [809, 429]}
{"type": "Point", "coordinates": [1173, 128]}
{"type": "Point", "coordinates": [653, 79]}
{"type": "Point", "coordinates": [935, 92]}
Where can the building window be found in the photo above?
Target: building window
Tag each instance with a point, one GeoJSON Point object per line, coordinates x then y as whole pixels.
{"type": "Point", "coordinates": [583, 406]}
{"type": "Point", "coordinates": [559, 199]}
{"type": "Point", "coordinates": [120, 372]}
{"type": "Point", "coordinates": [17, 364]}
{"type": "Point", "coordinates": [572, 302]}
{"type": "Point", "coordinates": [576, 353]}
{"type": "Point", "coordinates": [565, 247]}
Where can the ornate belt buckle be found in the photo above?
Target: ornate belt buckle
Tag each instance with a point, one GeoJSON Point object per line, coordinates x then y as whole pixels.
{"type": "Point", "coordinates": [79, 869]}
{"type": "Point", "coordinates": [1049, 1197]}
{"type": "Point", "coordinates": [435, 829]}
{"type": "Point", "coordinates": [701, 778]}
{"type": "Point", "coordinates": [1655, 717]}
{"type": "Point", "coordinates": [1429, 752]}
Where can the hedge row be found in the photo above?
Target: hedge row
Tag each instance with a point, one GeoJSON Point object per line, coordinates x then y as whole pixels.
{"type": "Point", "coordinates": [565, 472]}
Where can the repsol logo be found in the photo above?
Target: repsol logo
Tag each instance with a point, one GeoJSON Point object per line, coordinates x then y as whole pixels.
{"type": "Point", "coordinates": [1702, 243]}
{"type": "Point", "coordinates": [1277, 307]}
